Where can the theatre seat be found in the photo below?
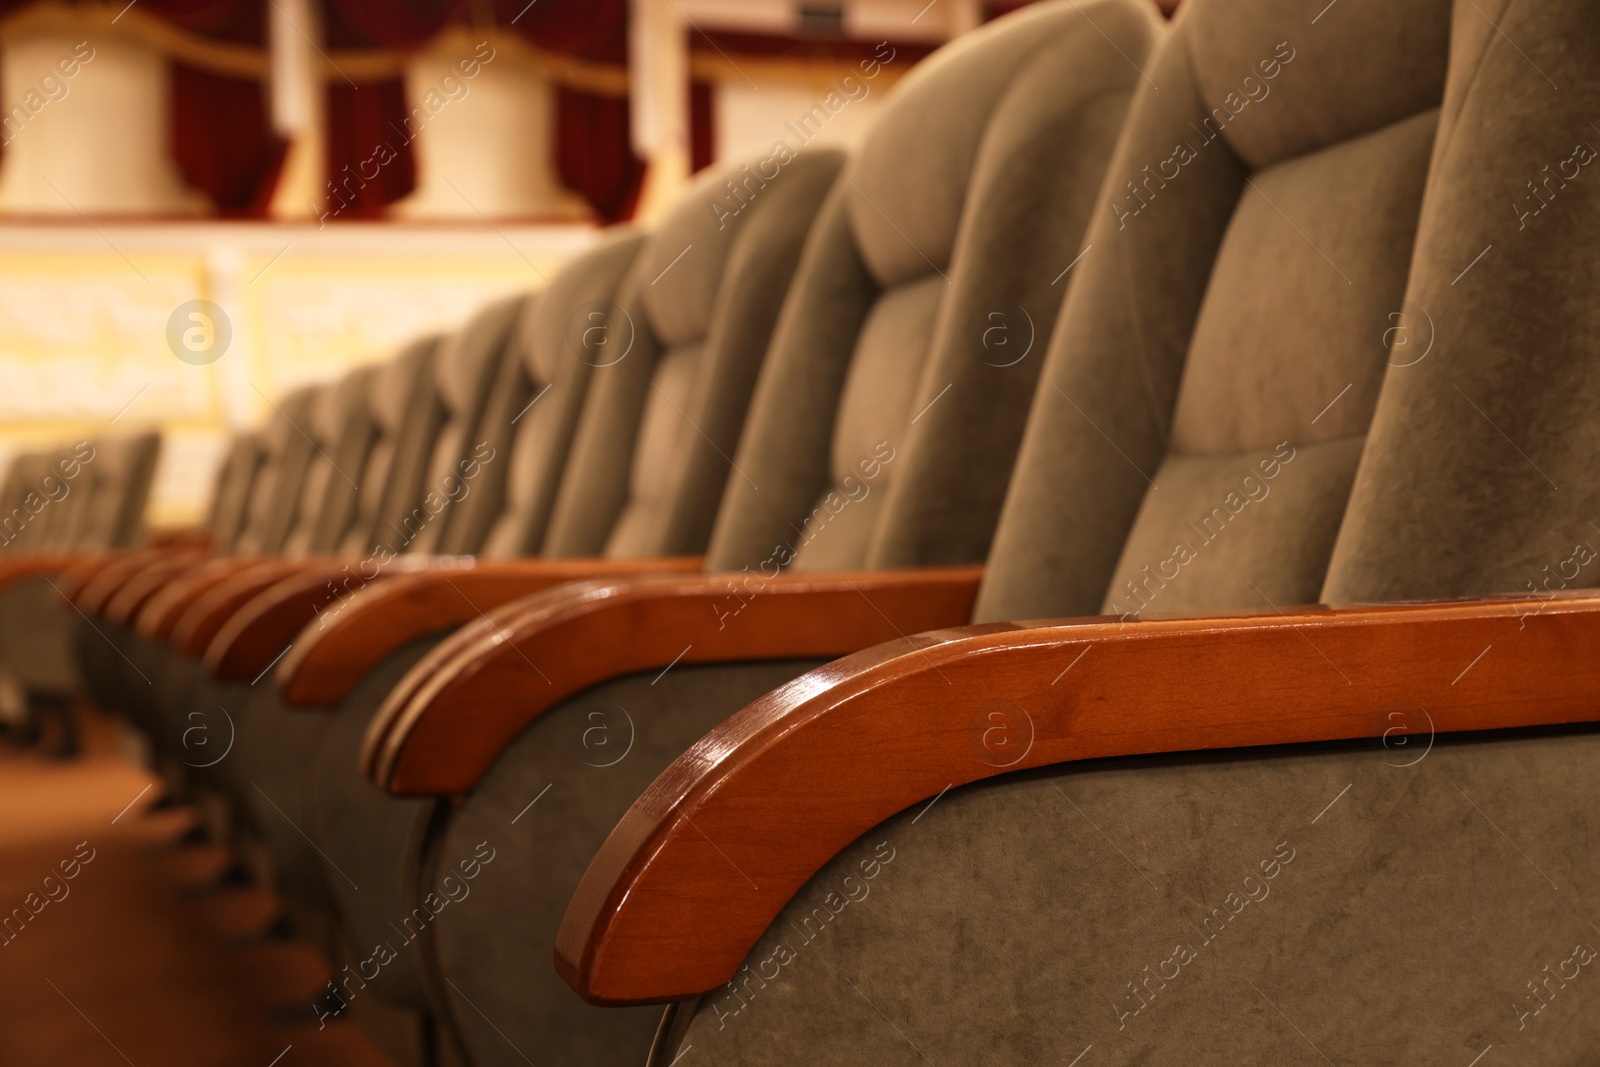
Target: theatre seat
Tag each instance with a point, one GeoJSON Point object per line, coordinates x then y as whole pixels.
{"type": "Point", "coordinates": [881, 434]}
{"type": "Point", "coordinates": [1157, 833]}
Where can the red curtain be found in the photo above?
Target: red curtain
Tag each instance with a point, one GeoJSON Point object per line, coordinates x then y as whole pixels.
{"type": "Point", "coordinates": [222, 140]}
{"type": "Point", "coordinates": [370, 164]}
{"type": "Point", "coordinates": [702, 126]}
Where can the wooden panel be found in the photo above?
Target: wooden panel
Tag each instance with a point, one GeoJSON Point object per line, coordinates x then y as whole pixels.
{"type": "Point", "coordinates": [439, 731]}
{"type": "Point", "coordinates": [371, 623]}
{"type": "Point", "coordinates": [784, 785]}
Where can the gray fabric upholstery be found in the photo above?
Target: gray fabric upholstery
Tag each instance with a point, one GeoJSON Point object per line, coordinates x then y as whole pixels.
{"type": "Point", "coordinates": [341, 433]}
{"type": "Point", "coordinates": [230, 495]}
{"type": "Point", "coordinates": [468, 363]}
{"type": "Point", "coordinates": [543, 404]}
{"type": "Point", "coordinates": [1477, 477]}
{"type": "Point", "coordinates": [596, 753]}
{"type": "Point", "coordinates": [651, 458]}
{"type": "Point", "coordinates": [889, 412]}
{"type": "Point", "coordinates": [120, 474]}
{"type": "Point", "coordinates": [1215, 267]}
{"type": "Point", "coordinates": [286, 453]}
{"type": "Point", "coordinates": [406, 415]}
{"type": "Point", "coordinates": [1208, 909]}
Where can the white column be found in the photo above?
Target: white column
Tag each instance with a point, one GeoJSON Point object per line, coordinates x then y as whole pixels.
{"type": "Point", "coordinates": [658, 93]}
{"type": "Point", "coordinates": [482, 127]}
{"type": "Point", "coordinates": [87, 128]}
{"type": "Point", "coordinates": [299, 108]}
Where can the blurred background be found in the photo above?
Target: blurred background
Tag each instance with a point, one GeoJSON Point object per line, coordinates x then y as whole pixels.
{"type": "Point", "coordinates": [337, 176]}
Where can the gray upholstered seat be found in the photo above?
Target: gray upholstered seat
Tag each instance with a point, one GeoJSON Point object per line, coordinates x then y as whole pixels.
{"type": "Point", "coordinates": [1224, 359]}
{"type": "Point", "coordinates": [881, 434]}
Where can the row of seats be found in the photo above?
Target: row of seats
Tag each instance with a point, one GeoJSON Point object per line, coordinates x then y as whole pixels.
{"type": "Point", "coordinates": [514, 665]}
{"type": "Point", "coordinates": [86, 497]}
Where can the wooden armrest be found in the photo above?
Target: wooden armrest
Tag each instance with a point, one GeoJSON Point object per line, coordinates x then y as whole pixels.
{"type": "Point", "coordinates": [23, 566]}
{"type": "Point", "coordinates": [791, 780]}
{"type": "Point", "coordinates": [373, 622]}
{"type": "Point", "coordinates": [85, 567]}
{"type": "Point", "coordinates": [201, 620]}
{"type": "Point", "coordinates": [160, 614]}
{"type": "Point", "coordinates": [258, 633]}
{"type": "Point", "coordinates": [438, 733]}
{"type": "Point", "coordinates": [131, 595]}
{"type": "Point", "coordinates": [92, 596]}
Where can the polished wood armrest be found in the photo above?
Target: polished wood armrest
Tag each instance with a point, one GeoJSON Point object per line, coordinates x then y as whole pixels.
{"type": "Point", "coordinates": [22, 566]}
{"type": "Point", "coordinates": [439, 731]}
{"type": "Point", "coordinates": [261, 630]}
{"type": "Point", "coordinates": [201, 620]}
{"type": "Point", "coordinates": [85, 567]}
{"type": "Point", "coordinates": [98, 588]}
{"type": "Point", "coordinates": [157, 617]}
{"type": "Point", "coordinates": [789, 781]}
{"type": "Point", "coordinates": [131, 595]}
{"type": "Point", "coordinates": [374, 621]}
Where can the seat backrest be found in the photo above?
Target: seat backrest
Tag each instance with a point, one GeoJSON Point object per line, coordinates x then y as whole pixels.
{"type": "Point", "coordinates": [230, 494]}
{"type": "Point", "coordinates": [1230, 323]}
{"type": "Point", "coordinates": [562, 338]}
{"type": "Point", "coordinates": [121, 471]}
{"type": "Point", "coordinates": [286, 454]}
{"type": "Point", "coordinates": [71, 527]}
{"type": "Point", "coordinates": [1478, 476]}
{"type": "Point", "coordinates": [687, 338]}
{"type": "Point", "coordinates": [340, 429]}
{"type": "Point", "coordinates": [468, 362]}
{"type": "Point", "coordinates": [26, 501]}
{"type": "Point", "coordinates": [890, 411]}
{"type": "Point", "coordinates": [406, 416]}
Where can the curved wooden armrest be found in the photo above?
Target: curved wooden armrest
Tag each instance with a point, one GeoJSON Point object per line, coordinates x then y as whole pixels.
{"type": "Point", "coordinates": [256, 635]}
{"type": "Point", "coordinates": [132, 594]}
{"type": "Point", "coordinates": [38, 565]}
{"type": "Point", "coordinates": [160, 614]}
{"type": "Point", "coordinates": [98, 588]}
{"type": "Point", "coordinates": [85, 567]}
{"type": "Point", "coordinates": [789, 781]}
{"type": "Point", "coordinates": [440, 730]}
{"type": "Point", "coordinates": [201, 620]}
{"type": "Point", "coordinates": [373, 622]}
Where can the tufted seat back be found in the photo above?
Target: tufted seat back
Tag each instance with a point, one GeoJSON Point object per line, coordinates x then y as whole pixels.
{"type": "Point", "coordinates": [466, 366]}
{"type": "Point", "coordinates": [684, 341]}
{"type": "Point", "coordinates": [1227, 339]}
{"type": "Point", "coordinates": [341, 431]}
{"type": "Point", "coordinates": [406, 416]}
{"type": "Point", "coordinates": [540, 398]}
{"type": "Point", "coordinates": [285, 456]}
{"type": "Point", "coordinates": [889, 413]}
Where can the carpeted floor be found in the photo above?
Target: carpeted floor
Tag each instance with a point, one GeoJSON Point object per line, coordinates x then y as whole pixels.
{"type": "Point", "coordinates": [133, 960]}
